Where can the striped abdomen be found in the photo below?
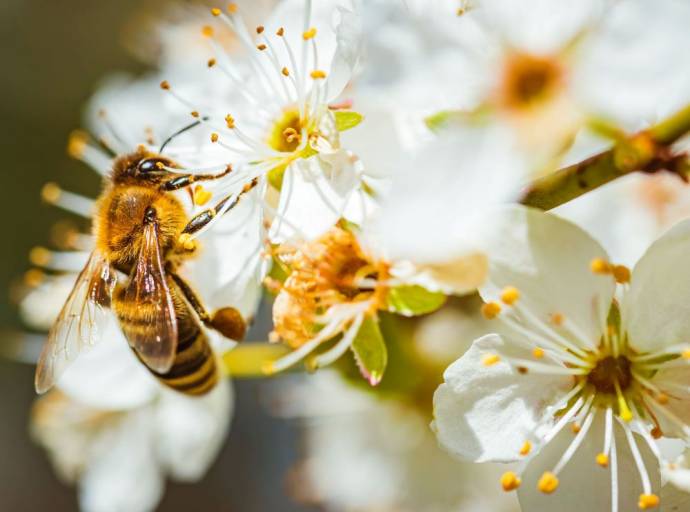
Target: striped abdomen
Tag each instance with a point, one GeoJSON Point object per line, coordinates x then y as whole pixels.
{"type": "Point", "coordinates": [194, 370]}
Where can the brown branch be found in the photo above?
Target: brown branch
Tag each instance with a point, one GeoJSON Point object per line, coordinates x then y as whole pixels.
{"type": "Point", "coordinates": [647, 151]}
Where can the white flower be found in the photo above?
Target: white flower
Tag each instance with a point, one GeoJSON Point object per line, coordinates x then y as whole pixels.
{"type": "Point", "coordinates": [272, 110]}
{"type": "Point", "coordinates": [581, 343]}
{"type": "Point", "coordinates": [438, 213]}
{"type": "Point", "coordinates": [368, 454]}
{"type": "Point", "coordinates": [563, 64]}
{"type": "Point", "coordinates": [119, 458]}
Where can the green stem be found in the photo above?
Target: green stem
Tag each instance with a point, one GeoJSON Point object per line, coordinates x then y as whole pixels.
{"type": "Point", "coordinates": [646, 151]}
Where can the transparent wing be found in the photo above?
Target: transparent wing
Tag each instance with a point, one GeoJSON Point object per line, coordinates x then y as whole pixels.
{"type": "Point", "coordinates": [155, 335]}
{"type": "Point", "coordinates": [81, 321]}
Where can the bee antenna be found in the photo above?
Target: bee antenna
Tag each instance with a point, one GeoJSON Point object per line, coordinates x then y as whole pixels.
{"type": "Point", "coordinates": [180, 132]}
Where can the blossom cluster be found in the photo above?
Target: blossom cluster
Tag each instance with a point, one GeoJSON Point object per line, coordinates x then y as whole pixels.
{"type": "Point", "coordinates": [379, 171]}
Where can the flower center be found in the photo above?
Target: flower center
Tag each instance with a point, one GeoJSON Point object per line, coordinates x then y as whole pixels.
{"type": "Point", "coordinates": [330, 271]}
{"type": "Point", "coordinates": [286, 133]}
{"type": "Point", "coordinates": [609, 371]}
{"type": "Point", "coordinates": [528, 79]}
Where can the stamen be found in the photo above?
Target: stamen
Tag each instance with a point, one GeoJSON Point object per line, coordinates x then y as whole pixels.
{"type": "Point", "coordinates": [526, 448]}
{"type": "Point", "coordinates": [600, 266]}
{"type": "Point", "coordinates": [510, 295]}
{"type": "Point", "coordinates": [548, 483]}
{"type": "Point", "coordinates": [538, 352]}
{"type": "Point", "coordinates": [318, 74]}
{"type": "Point", "coordinates": [647, 499]}
{"type": "Point", "coordinates": [309, 34]}
{"type": "Point", "coordinates": [570, 451]}
{"type": "Point", "coordinates": [490, 310]}
{"type": "Point", "coordinates": [510, 481]}
{"type": "Point", "coordinates": [621, 273]}
{"type": "Point", "coordinates": [69, 201]}
{"type": "Point", "coordinates": [342, 346]}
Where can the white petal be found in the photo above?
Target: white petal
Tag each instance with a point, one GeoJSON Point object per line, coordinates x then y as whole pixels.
{"type": "Point", "coordinates": [658, 305]}
{"type": "Point", "coordinates": [109, 376]}
{"type": "Point", "coordinates": [545, 26]}
{"type": "Point", "coordinates": [583, 485]}
{"type": "Point", "coordinates": [42, 305]}
{"type": "Point", "coordinates": [673, 499]}
{"type": "Point", "coordinates": [123, 474]}
{"type": "Point", "coordinates": [487, 413]}
{"type": "Point", "coordinates": [632, 69]}
{"type": "Point", "coordinates": [313, 197]}
{"type": "Point", "coordinates": [548, 260]}
{"type": "Point", "coordinates": [191, 430]}
{"type": "Point", "coordinates": [347, 53]}
{"type": "Point", "coordinates": [440, 199]}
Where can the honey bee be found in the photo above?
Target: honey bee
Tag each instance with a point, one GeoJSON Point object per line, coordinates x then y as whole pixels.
{"type": "Point", "coordinates": [142, 231]}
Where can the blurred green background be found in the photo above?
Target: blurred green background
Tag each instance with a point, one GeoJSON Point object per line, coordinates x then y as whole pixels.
{"type": "Point", "coordinates": [53, 56]}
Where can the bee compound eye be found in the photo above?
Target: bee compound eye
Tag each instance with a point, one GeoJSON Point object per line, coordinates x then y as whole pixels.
{"type": "Point", "coordinates": [148, 165]}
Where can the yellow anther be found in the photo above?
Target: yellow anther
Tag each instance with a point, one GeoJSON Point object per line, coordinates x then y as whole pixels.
{"type": "Point", "coordinates": [557, 319]}
{"type": "Point", "coordinates": [491, 310]}
{"type": "Point", "coordinates": [33, 277]}
{"type": "Point", "coordinates": [622, 274]}
{"type": "Point", "coordinates": [230, 121]}
{"type": "Point", "coordinates": [211, 62]}
{"type": "Point", "coordinates": [318, 74]}
{"type": "Point", "coordinates": [214, 137]}
{"type": "Point", "coordinates": [261, 47]}
{"type": "Point", "coordinates": [510, 295]}
{"type": "Point", "coordinates": [600, 266]}
{"type": "Point", "coordinates": [648, 501]}
{"type": "Point", "coordinates": [575, 427]}
{"type": "Point", "coordinates": [285, 71]}
{"type": "Point", "coordinates": [656, 433]}
{"type": "Point", "coordinates": [51, 192]}
{"type": "Point", "coordinates": [538, 352]}
{"type": "Point", "coordinates": [603, 460]}
{"type": "Point", "coordinates": [201, 195]}
{"type": "Point", "coordinates": [39, 256]}
{"type": "Point", "coordinates": [526, 448]}
{"type": "Point", "coordinates": [490, 359]}
{"type": "Point", "coordinates": [510, 481]}
{"type": "Point", "coordinates": [186, 242]}
{"type": "Point", "coordinates": [291, 135]}
{"type": "Point", "coordinates": [215, 11]}
{"type": "Point", "coordinates": [76, 143]}
{"type": "Point", "coordinates": [165, 85]}
{"type": "Point", "coordinates": [685, 354]}
{"type": "Point", "coordinates": [280, 32]}
{"type": "Point", "coordinates": [309, 34]}
{"type": "Point", "coordinates": [195, 113]}
{"type": "Point", "coordinates": [232, 8]}
{"type": "Point", "coordinates": [207, 31]}
{"type": "Point", "coordinates": [548, 483]}
{"type": "Point", "coordinates": [662, 398]}
{"type": "Point", "coordinates": [260, 29]}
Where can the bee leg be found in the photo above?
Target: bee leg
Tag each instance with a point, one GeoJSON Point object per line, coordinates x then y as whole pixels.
{"type": "Point", "coordinates": [227, 321]}
{"type": "Point", "coordinates": [203, 218]}
{"type": "Point", "coordinates": [186, 180]}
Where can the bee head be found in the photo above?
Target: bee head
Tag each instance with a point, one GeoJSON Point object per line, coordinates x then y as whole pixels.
{"type": "Point", "coordinates": [141, 167]}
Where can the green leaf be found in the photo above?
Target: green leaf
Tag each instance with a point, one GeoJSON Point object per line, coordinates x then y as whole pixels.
{"type": "Point", "coordinates": [346, 119]}
{"type": "Point", "coordinates": [412, 300]}
{"type": "Point", "coordinates": [275, 175]}
{"type": "Point", "coordinates": [370, 351]}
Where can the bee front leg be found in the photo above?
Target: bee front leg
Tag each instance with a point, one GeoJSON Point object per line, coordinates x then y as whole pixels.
{"type": "Point", "coordinates": [203, 218]}
{"type": "Point", "coordinates": [185, 180]}
{"type": "Point", "coordinates": [227, 321]}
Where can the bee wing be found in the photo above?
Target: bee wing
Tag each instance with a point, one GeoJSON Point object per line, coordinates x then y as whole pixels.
{"type": "Point", "coordinates": [80, 323]}
{"type": "Point", "coordinates": [148, 290]}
